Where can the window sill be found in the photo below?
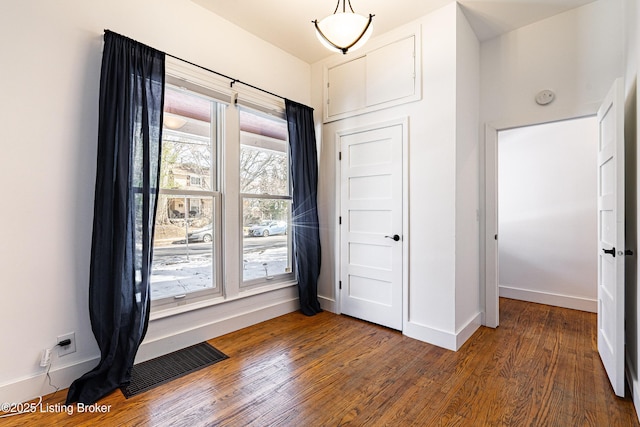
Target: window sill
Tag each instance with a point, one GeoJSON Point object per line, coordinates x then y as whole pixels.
{"type": "Point", "coordinates": [197, 305]}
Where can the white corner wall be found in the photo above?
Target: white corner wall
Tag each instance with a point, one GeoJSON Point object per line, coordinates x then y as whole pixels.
{"type": "Point", "coordinates": [468, 308]}
{"type": "Point", "coordinates": [547, 219]}
{"type": "Point", "coordinates": [443, 303]}
{"type": "Point", "coordinates": [50, 76]}
{"type": "Point", "coordinates": [432, 187]}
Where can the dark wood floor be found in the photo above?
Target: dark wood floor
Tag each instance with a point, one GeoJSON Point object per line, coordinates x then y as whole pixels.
{"type": "Point", "coordinates": [539, 368]}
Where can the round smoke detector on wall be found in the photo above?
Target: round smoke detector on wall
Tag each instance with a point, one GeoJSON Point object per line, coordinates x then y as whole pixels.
{"type": "Point", "coordinates": [545, 97]}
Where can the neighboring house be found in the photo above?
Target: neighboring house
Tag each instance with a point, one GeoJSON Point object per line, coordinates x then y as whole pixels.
{"type": "Point", "coordinates": [465, 85]}
{"type": "Point", "coordinates": [188, 178]}
{"type": "Point", "coordinates": [185, 177]}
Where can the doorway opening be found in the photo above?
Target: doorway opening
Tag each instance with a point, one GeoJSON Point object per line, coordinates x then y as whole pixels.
{"type": "Point", "coordinates": [547, 213]}
{"type": "Point", "coordinates": [557, 147]}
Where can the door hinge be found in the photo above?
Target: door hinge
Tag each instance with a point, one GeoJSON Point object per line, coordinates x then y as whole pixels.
{"type": "Point", "coordinates": [339, 155]}
{"type": "Point", "coordinates": [340, 285]}
{"type": "Point", "coordinates": [340, 220]}
{"type": "Point", "coordinates": [495, 237]}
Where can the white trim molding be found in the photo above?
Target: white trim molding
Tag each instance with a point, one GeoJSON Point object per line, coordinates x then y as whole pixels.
{"type": "Point", "coordinates": [445, 339]}
{"type": "Point", "coordinates": [228, 317]}
{"type": "Point", "coordinates": [549, 298]}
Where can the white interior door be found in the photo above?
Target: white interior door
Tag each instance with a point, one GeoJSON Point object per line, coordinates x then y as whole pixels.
{"type": "Point", "coordinates": [371, 247]}
{"type": "Point", "coordinates": [611, 244]}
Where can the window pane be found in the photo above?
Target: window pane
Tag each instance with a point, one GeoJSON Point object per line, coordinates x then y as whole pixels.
{"type": "Point", "coordinates": [266, 243]}
{"type": "Point", "coordinates": [183, 246]}
{"type": "Point", "coordinates": [264, 161]}
{"type": "Point", "coordinates": [188, 158]}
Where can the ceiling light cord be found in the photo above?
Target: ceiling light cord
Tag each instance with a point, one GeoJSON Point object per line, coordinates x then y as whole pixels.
{"type": "Point", "coordinates": [344, 8]}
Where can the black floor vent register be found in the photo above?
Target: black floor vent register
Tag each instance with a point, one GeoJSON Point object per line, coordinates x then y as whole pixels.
{"type": "Point", "coordinates": [154, 372]}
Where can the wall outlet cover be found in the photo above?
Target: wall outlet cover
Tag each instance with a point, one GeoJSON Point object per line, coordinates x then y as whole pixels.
{"type": "Point", "coordinates": [68, 349]}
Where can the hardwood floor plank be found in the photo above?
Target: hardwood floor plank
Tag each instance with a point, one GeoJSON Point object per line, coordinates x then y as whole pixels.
{"type": "Point", "coordinates": [540, 367]}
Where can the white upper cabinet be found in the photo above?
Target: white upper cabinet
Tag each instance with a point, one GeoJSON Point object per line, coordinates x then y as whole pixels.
{"type": "Point", "coordinates": [390, 73]}
{"type": "Point", "coordinates": [346, 87]}
{"type": "Point", "coordinates": [385, 76]}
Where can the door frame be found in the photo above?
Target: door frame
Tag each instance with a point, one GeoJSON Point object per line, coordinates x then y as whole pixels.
{"type": "Point", "coordinates": [489, 262]}
{"type": "Point", "coordinates": [404, 122]}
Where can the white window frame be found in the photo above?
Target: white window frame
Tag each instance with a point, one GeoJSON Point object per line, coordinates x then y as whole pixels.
{"type": "Point", "coordinates": [227, 197]}
{"type": "Point", "coordinates": [215, 194]}
{"type": "Point", "coordinates": [263, 142]}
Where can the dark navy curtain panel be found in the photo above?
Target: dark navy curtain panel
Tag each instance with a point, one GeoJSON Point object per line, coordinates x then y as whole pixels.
{"type": "Point", "coordinates": [305, 230]}
{"type": "Point", "coordinates": [129, 135]}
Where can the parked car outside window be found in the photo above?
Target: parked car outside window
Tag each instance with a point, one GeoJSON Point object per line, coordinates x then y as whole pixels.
{"type": "Point", "coordinates": [202, 235]}
{"type": "Point", "coordinates": [268, 228]}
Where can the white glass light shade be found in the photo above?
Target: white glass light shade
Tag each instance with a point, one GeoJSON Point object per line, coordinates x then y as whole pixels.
{"type": "Point", "coordinates": [342, 29]}
{"type": "Point", "coordinates": [173, 121]}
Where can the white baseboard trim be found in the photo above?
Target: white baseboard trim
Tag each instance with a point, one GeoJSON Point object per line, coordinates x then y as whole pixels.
{"type": "Point", "coordinates": [328, 304]}
{"type": "Point", "coordinates": [150, 349]}
{"type": "Point", "coordinates": [558, 300]}
{"type": "Point", "coordinates": [430, 335]}
{"type": "Point", "coordinates": [483, 318]}
{"type": "Point", "coordinates": [467, 330]}
{"type": "Point", "coordinates": [37, 385]}
{"type": "Point", "coordinates": [440, 338]}
{"type": "Point", "coordinates": [28, 388]}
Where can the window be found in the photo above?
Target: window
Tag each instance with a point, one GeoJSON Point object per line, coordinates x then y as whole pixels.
{"type": "Point", "coordinates": [224, 205]}
{"type": "Point", "coordinates": [186, 246]}
{"type": "Point", "coordinates": [265, 193]}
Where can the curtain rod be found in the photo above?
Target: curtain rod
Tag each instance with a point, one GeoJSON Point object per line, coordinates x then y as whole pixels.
{"type": "Point", "coordinates": [233, 80]}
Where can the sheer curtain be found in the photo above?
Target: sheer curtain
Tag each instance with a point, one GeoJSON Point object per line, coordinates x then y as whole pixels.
{"type": "Point", "coordinates": [305, 230]}
{"type": "Point", "coordinates": [129, 135]}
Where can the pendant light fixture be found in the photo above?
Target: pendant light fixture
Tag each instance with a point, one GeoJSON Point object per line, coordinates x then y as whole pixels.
{"type": "Point", "coordinates": [344, 31]}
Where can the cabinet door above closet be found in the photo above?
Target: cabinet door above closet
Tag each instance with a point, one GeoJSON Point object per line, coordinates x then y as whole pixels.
{"type": "Point", "coordinates": [384, 76]}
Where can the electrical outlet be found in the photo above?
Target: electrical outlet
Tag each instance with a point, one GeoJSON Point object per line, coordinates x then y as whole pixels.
{"type": "Point", "coordinates": [67, 349]}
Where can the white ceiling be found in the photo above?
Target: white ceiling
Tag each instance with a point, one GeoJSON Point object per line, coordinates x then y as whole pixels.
{"type": "Point", "coordinates": [287, 24]}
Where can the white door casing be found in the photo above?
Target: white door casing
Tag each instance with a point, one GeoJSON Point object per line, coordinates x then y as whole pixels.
{"type": "Point", "coordinates": [489, 227]}
{"type": "Point", "coordinates": [611, 242]}
{"type": "Point", "coordinates": [490, 232]}
{"type": "Point", "coordinates": [371, 230]}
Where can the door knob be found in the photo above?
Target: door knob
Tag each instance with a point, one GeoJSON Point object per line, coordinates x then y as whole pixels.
{"type": "Point", "coordinates": [611, 251]}
{"type": "Point", "coordinates": [395, 237]}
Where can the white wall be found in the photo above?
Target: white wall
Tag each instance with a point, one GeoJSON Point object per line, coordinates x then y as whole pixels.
{"type": "Point", "coordinates": [467, 297]}
{"type": "Point", "coordinates": [49, 83]}
{"type": "Point", "coordinates": [432, 180]}
{"type": "Point", "coordinates": [443, 190]}
{"type": "Point", "coordinates": [547, 203]}
{"type": "Point", "coordinates": [578, 54]}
